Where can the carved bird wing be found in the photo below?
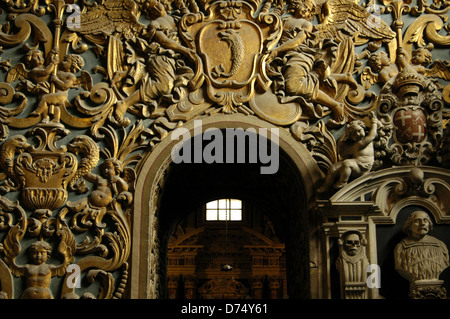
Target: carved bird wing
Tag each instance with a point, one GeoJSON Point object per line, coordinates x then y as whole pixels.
{"type": "Point", "coordinates": [67, 248]}
{"type": "Point", "coordinates": [18, 72]}
{"type": "Point", "coordinates": [439, 69]}
{"type": "Point", "coordinates": [85, 80]}
{"type": "Point", "coordinates": [110, 18]}
{"type": "Point", "coordinates": [12, 248]}
{"type": "Point", "coordinates": [129, 175]}
{"type": "Point", "coordinates": [345, 18]}
{"type": "Point", "coordinates": [368, 78]}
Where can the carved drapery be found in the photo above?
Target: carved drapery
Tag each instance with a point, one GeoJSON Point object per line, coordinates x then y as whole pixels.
{"type": "Point", "coordinates": [90, 89]}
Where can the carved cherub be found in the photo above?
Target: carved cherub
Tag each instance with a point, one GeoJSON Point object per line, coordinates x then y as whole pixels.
{"type": "Point", "coordinates": [34, 80]}
{"type": "Point", "coordinates": [113, 182]}
{"type": "Point", "coordinates": [64, 80]}
{"type": "Point", "coordinates": [380, 69]}
{"type": "Point", "coordinates": [108, 184]}
{"type": "Point", "coordinates": [421, 59]}
{"type": "Point", "coordinates": [39, 274]}
{"type": "Point", "coordinates": [356, 150]}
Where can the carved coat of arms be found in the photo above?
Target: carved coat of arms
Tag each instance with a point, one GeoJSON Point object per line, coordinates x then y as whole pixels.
{"type": "Point", "coordinates": [232, 45]}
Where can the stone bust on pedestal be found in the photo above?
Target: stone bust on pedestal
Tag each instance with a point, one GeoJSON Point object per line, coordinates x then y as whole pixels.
{"type": "Point", "coordinates": [421, 258]}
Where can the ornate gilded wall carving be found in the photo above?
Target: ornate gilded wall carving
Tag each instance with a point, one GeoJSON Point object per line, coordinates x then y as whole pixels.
{"type": "Point", "coordinates": [88, 89]}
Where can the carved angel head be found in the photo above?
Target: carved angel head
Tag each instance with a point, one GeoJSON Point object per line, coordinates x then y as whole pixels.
{"type": "Point", "coordinates": [355, 131]}
{"type": "Point", "coordinates": [421, 56]}
{"type": "Point", "coordinates": [302, 9]}
{"type": "Point", "coordinates": [34, 58]}
{"type": "Point", "coordinates": [40, 252]}
{"type": "Point", "coordinates": [154, 9]}
{"type": "Point", "coordinates": [378, 60]}
{"type": "Point", "coordinates": [72, 63]}
{"type": "Point", "coordinates": [111, 167]}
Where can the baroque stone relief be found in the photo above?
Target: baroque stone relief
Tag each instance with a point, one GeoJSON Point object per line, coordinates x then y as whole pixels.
{"type": "Point", "coordinates": [88, 89]}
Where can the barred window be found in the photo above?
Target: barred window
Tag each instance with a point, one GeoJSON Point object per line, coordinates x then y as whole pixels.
{"type": "Point", "coordinates": [224, 209]}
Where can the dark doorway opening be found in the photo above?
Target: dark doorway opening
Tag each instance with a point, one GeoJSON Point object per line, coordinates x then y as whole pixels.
{"type": "Point", "coordinates": [279, 196]}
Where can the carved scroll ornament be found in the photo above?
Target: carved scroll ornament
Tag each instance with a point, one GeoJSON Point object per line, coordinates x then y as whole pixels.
{"type": "Point", "coordinates": [86, 96]}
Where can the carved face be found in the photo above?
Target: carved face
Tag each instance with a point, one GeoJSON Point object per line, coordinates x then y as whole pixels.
{"type": "Point", "coordinates": [156, 9]}
{"type": "Point", "coordinates": [66, 64]}
{"type": "Point", "coordinates": [379, 60]}
{"type": "Point", "coordinates": [352, 244]}
{"type": "Point", "coordinates": [420, 57]}
{"type": "Point", "coordinates": [36, 59]}
{"type": "Point", "coordinates": [44, 169]}
{"type": "Point", "coordinates": [302, 9]}
{"type": "Point", "coordinates": [39, 255]}
{"type": "Point", "coordinates": [108, 169]}
{"type": "Point", "coordinates": [357, 133]}
{"type": "Point", "coordinates": [420, 225]}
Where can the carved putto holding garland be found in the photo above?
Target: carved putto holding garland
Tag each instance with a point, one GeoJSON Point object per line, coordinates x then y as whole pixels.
{"type": "Point", "coordinates": [87, 95]}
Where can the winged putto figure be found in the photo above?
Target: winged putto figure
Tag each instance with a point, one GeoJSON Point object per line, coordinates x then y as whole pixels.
{"type": "Point", "coordinates": [35, 73]}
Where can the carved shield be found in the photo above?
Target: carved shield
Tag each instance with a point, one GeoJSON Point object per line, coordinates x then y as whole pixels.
{"type": "Point", "coordinates": [229, 52]}
{"type": "Point", "coordinates": [411, 125]}
{"type": "Point", "coordinates": [232, 45]}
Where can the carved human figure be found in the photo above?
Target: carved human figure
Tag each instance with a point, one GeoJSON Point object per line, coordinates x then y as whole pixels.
{"type": "Point", "coordinates": [108, 184]}
{"type": "Point", "coordinates": [420, 256]}
{"type": "Point", "coordinates": [380, 63]}
{"type": "Point", "coordinates": [303, 74]}
{"type": "Point", "coordinates": [352, 265]}
{"type": "Point", "coordinates": [163, 74]}
{"type": "Point", "coordinates": [356, 150]}
{"type": "Point", "coordinates": [63, 80]}
{"type": "Point", "coordinates": [36, 79]}
{"type": "Point", "coordinates": [386, 71]}
{"type": "Point", "coordinates": [38, 275]}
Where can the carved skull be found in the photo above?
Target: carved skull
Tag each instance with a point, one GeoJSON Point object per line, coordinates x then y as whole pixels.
{"type": "Point", "coordinates": [352, 244]}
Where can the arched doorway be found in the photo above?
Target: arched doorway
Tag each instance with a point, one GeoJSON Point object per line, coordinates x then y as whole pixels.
{"type": "Point", "coordinates": [169, 191]}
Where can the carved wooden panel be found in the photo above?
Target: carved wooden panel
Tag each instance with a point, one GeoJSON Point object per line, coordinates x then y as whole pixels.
{"type": "Point", "coordinates": [90, 88]}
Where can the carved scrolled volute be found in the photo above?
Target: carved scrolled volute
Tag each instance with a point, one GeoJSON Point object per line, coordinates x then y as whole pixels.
{"type": "Point", "coordinates": [352, 265]}
{"type": "Point", "coordinates": [421, 258]}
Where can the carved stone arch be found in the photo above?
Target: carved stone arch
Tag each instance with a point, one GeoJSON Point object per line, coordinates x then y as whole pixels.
{"type": "Point", "coordinates": [387, 191]}
{"type": "Point", "coordinates": [420, 202]}
{"type": "Point", "coordinates": [146, 249]}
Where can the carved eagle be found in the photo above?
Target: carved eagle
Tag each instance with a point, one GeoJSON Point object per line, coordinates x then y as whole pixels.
{"type": "Point", "coordinates": [111, 17]}
{"type": "Point", "coordinates": [341, 19]}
